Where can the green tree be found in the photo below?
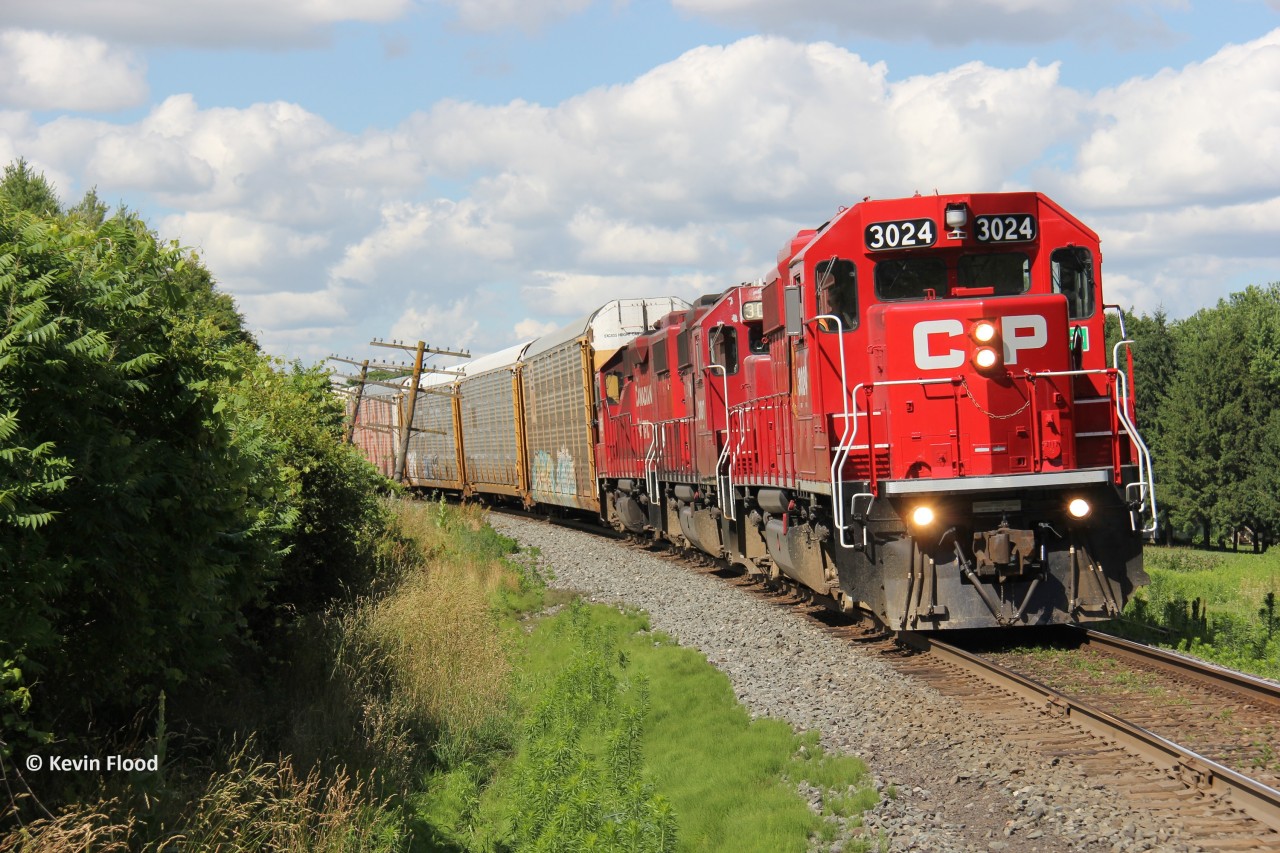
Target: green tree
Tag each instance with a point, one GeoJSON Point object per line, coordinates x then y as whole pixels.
{"type": "Point", "coordinates": [1154, 363]}
{"type": "Point", "coordinates": [295, 422]}
{"type": "Point", "coordinates": [1217, 425]}
{"type": "Point", "coordinates": [22, 189]}
{"type": "Point", "coordinates": [203, 300]}
{"type": "Point", "coordinates": [90, 210]}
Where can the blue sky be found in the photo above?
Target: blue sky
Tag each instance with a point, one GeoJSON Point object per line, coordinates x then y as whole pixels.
{"type": "Point", "coordinates": [475, 172]}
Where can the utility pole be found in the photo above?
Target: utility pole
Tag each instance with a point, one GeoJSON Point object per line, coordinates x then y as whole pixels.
{"type": "Point", "coordinates": [406, 420]}
{"type": "Point", "coordinates": [355, 410]}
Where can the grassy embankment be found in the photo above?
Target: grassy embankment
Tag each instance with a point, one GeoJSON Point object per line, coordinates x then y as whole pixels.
{"type": "Point", "coordinates": [442, 712]}
{"type": "Point", "coordinates": [1218, 605]}
{"type": "Point", "coordinates": [624, 740]}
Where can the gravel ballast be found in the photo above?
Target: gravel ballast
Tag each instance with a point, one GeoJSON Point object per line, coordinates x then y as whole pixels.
{"type": "Point", "coordinates": [958, 785]}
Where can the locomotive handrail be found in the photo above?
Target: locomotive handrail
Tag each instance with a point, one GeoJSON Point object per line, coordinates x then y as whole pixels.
{"type": "Point", "coordinates": [724, 494]}
{"type": "Point", "coordinates": [742, 438]}
{"type": "Point", "coordinates": [1146, 481]}
{"type": "Point", "coordinates": [846, 444]}
{"type": "Point", "coordinates": [651, 455]}
{"type": "Point", "coordinates": [631, 425]}
{"type": "Point", "coordinates": [837, 463]}
{"type": "Point", "coordinates": [1130, 406]}
{"type": "Point", "coordinates": [770, 402]}
{"type": "Point", "coordinates": [1146, 469]}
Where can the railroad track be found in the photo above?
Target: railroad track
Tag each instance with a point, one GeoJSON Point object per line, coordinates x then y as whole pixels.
{"type": "Point", "coordinates": [1230, 717]}
{"type": "Point", "coordinates": [1225, 809]}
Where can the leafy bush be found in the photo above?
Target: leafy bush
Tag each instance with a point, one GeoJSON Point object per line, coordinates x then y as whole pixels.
{"type": "Point", "coordinates": [169, 496]}
{"type": "Point", "coordinates": [134, 531]}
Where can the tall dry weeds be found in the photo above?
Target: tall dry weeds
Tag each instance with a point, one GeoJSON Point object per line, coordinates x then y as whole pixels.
{"type": "Point", "coordinates": [268, 806]}
{"type": "Point", "coordinates": [446, 651]}
{"type": "Point", "coordinates": [438, 634]}
{"type": "Point", "coordinates": [79, 827]}
{"type": "Point", "coordinates": [253, 805]}
{"type": "Point", "coordinates": [421, 660]}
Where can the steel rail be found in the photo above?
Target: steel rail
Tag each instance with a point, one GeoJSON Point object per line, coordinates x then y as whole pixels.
{"type": "Point", "coordinates": [1259, 801]}
{"type": "Point", "coordinates": [1257, 689]}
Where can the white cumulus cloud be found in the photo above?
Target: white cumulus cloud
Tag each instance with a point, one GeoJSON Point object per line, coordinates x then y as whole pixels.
{"type": "Point", "coordinates": [50, 71]}
{"type": "Point", "coordinates": [1209, 131]}
{"type": "Point", "coordinates": [762, 125]}
{"type": "Point", "coordinates": [441, 326]}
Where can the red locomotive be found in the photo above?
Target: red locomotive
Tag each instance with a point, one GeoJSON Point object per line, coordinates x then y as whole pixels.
{"type": "Point", "coordinates": [911, 416]}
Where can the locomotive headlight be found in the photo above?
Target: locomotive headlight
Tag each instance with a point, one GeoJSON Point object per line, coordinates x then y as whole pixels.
{"type": "Point", "coordinates": [1079, 508]}
{"type": "Point", "coordinates": [983, 332]}
{"type": "Point", "coordinates": [985, 358]}
{"type": "Point", "coordinates": [957, 216]}
{"type": "Point", "coordinates": [922, 516]}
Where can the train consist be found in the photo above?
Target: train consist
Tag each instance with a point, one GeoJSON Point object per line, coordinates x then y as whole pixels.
{"type": "Point", "coordinates": [911, 416]}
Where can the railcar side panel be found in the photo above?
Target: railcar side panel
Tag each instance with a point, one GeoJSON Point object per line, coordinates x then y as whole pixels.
{"type": "Point", "coordinates": [434, 460]}
{"type": "Point", "coordinates": [558, 397]}
{"type": "Point", "coordinates": [377, 430]}
{"type": "Point", "coordinates": [490, 444]}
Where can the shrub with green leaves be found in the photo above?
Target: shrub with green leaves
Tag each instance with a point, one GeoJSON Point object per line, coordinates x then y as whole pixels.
{"type": "Point", "coordinates": [164, 487]}
{"type": "Point", "coordinates": [133, 530]}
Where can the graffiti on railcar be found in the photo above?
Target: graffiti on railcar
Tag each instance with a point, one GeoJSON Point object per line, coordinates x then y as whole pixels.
{"type": "Point", "coordinates": [555, 477]}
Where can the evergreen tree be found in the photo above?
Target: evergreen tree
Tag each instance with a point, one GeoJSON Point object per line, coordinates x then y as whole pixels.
{"type": "Point", "coordinates": [22, 189]}
{"type": "Point", "coordinates": [1217, 426]}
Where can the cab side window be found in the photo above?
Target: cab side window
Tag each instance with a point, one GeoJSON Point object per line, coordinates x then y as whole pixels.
{"type": "Point", "coordinates": [613, 386]}
{"type": "Point", "coordinates": [724, 348]}
{"type": "Point", "coordinates": [838, 292]}
{"type": "Point", "coordinates": [1071, 270]}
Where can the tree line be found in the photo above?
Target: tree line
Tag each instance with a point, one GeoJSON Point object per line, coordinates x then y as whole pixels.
{"type": "Point", "coordinates": [1206, 395]}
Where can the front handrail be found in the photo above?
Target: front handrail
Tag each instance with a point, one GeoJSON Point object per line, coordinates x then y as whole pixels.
{"type": "Point", "coordinates": [724, 496]}
{"type": "Point", "coordinates": [1146, 469]}
{"type": "Point", "coordinates": [847, 439]}
{"type": "Point", "coordinates": [848, 442]}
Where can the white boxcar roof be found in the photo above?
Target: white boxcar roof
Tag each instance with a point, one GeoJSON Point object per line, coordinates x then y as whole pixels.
{"type": "Point", "coordinates": [612, 324]}
{"type": "Point", "coordinates": [502, 358]}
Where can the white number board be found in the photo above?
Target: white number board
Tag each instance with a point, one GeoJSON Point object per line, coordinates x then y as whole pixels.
{"type": "Point", "coordinates": [902, 234]}
{"type": "Point", "coordinates": [1005, 228]}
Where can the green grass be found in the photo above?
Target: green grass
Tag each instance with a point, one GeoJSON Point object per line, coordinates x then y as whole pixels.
{"type": "Point", "coordinates": [730, 781]}
{"type": "Point", "coordinates": [1213, 604]}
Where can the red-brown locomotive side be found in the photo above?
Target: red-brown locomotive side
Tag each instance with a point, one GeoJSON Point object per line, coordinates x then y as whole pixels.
{"type": "Point", "coordinates": [912, 415]}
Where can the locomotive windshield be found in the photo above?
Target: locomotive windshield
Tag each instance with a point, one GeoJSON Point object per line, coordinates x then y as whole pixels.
{"type": "Point", "coordinates": [1005, 273]}
{"type": "Point", "coordinates": [909, 278]}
